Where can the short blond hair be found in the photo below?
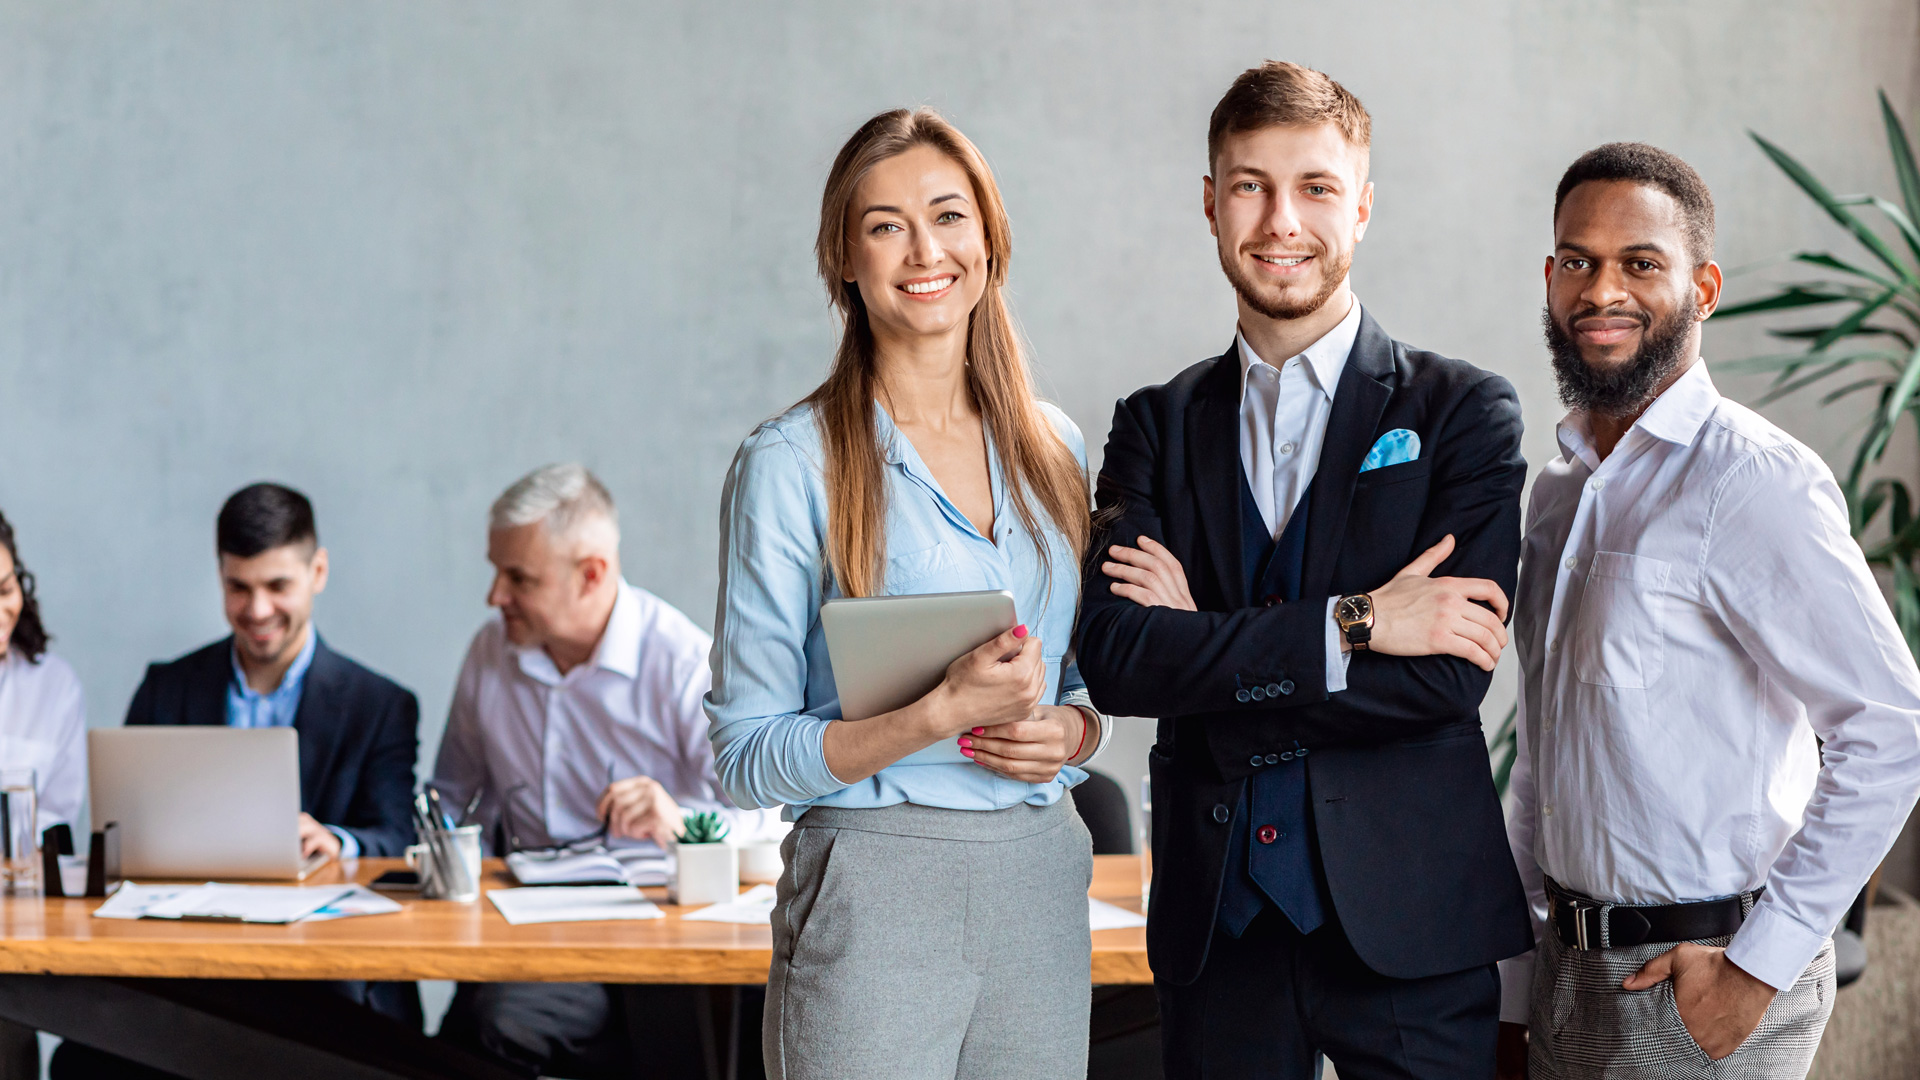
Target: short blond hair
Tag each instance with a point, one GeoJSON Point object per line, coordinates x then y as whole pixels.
{"type": "Point", "coordinates": [1281, 93]}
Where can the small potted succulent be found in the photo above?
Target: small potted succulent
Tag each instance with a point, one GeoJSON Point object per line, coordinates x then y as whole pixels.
{"type": "Point", "coordinates": [707, 868]}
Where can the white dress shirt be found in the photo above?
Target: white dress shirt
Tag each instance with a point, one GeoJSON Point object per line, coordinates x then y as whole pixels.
{"type": "Point", "coordinates": [519, 728]}
{"type": "Point", "coordinates": [1283, 423]}
{"type": "Point", "coordinates": [1691, 614]}
{"type": "Point", "coordinates": [43, 726]}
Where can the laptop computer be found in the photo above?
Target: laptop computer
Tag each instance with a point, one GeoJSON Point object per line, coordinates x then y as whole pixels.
{"type": "Point", "coordinates": [200, 802]}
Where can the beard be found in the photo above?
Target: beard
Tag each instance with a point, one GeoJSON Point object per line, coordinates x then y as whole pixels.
{"type": "Point", "coordinates": [1624, 390]}
{"type": "Point", "coordinates": [1280, 307]}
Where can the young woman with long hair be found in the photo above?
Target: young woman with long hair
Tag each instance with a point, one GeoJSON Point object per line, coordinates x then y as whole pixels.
{"type": "Point", "coordinates": [932, 919]}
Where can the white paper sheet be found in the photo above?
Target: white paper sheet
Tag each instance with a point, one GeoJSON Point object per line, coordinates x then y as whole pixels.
{"type": "Point", "coordinates": [1104, 916]}
{"type": "Point", "coordinates": [572, 903]}
{"type": "Point", "coordinates": [361, 901]}
{"type": "Point", "coordinates": [131, 901]}
{"type": "Point", "coordinates": [247, 903]}
{"type": "Point", "coordinates": [752, 908]}
{"type": "Point", "coordinates": [635, 867]}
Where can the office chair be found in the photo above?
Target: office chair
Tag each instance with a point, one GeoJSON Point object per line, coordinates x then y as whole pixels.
{"type": "Point", "coordinates": [1103, 807]}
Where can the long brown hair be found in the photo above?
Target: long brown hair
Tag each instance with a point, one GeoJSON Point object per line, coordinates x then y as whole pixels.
{"type": "Point", "coordinates": [1037, 465]}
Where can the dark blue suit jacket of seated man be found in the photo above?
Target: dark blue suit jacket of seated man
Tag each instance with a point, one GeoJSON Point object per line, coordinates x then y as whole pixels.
{"type": "Point", "coordinates": [1404, 814]}
{"type": "Point", "coordinates": [358, 734]}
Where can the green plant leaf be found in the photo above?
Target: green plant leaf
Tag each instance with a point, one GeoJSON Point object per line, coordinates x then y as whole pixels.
{"type": "Point", "coordinates": [1810, 184]}
{"type": "Point", "coordinates": [1903, 164]}
{"type": "Point", "coordinates": [1849, 389]}
{"type": "Point", "coordinates": [1826, 261]}
{"type": "Point", "coordinates": [1794, 296]}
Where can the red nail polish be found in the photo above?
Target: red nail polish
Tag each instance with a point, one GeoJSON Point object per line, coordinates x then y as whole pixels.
{"type": "Point", "coordinates": [1020, 631]}
{"type": "Point", "coordinates": [969, 753]}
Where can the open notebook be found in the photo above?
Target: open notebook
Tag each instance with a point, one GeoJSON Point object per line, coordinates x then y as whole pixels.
{"type": "Point", "coordinates": [597, 867]}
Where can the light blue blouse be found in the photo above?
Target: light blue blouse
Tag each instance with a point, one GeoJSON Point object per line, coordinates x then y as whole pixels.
{"type": "Point", "coordinates": [773, 691]}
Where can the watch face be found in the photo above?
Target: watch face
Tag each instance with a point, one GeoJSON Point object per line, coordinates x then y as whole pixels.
{"type": "Point", "coordinates": [1355, 608]}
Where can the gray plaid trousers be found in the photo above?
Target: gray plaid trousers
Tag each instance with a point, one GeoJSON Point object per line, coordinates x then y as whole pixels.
{"type": "Point", "coordinates": [1582, 1026]}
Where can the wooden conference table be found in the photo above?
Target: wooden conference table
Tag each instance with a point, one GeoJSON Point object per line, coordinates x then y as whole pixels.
{"type": "Point", "coordinates": [63, 971]}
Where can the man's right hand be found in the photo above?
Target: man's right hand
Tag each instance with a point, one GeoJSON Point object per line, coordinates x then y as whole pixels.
{"type": "Point", "coordinates": [1511, 1055]}
{"type": "Point", "coordinates": [1419, 615]}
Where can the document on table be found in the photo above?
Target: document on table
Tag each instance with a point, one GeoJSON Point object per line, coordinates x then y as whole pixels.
{"type": "Point", "coordinates": [752, 908]}
{"type": "Point", "coordinates": [223, 903]}
{"type": "Point", "coordinates": [1104, 916]}
{"type": "Point", "coordinates": [361, 901]}
{"type": "Point", "coordinates": [572, 903]}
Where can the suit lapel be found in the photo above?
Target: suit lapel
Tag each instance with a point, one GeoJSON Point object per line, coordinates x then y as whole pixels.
{"type": "Point", "coordinates": [1357, 407]}
{"type": "Point", "coordinates": [1213, 459]}
{"type": "Point", "coordinates": [206, 698]}
{"type": "Point", "coordinates": [316, 724]}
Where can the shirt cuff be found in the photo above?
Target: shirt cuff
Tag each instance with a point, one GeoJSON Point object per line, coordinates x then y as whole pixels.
{"type": "Point", "coordinates": [1774, 948]}
{"type": "Point", "coordinates": [1081, 699]}
{"type": "Point", "coordinates": [349, 847]}
{"type": "Point", "coordinates": [1337, 658]}
{"type": "Point", "coordinates": [1516, 988]}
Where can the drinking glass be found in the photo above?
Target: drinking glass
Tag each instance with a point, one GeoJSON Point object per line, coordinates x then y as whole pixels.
{"type": "Point", "coordinates": [19, 842]}
{"type": "Point", "coordinates": [1146, 840]}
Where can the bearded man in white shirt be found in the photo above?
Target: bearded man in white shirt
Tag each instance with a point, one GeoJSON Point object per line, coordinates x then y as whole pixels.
{"type": "Point", "coordinates": [1720, 720]}
{"type": "Point", "coordinates": [577, 719]}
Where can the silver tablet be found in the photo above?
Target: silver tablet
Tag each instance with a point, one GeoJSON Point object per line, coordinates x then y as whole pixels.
{"type": "Point", "coordinates": [890, 651]}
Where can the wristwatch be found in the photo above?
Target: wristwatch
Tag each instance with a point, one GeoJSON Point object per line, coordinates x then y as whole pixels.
{"type": "Point", "coordinates": [1355, 616]}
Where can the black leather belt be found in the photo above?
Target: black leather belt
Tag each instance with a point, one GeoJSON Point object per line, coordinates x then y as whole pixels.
{"type": "Point", "coordinates": [1582, 922]}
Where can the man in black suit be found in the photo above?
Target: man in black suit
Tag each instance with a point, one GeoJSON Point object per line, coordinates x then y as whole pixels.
{"type": "Point", "coordinates": [357, 734]}
{"type": "Point", "coordinates": [357, 729]}
{"type": "Point", "coordinates": [1330, 863]}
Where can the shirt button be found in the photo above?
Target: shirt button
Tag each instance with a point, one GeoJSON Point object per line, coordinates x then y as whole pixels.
{"type": "Point", "coordinates": [1274, 759]}
{"type": "Point", "coordinates": [1286, 448]}
{"type": "Point", "coordinates": [1551, 646]}
{"type": "Point", "coordinates": [1268, 834]}
{"type": "Point", "coordinates": [1597, 484]}
{"type": "Point", "coordinates": [1221, 813]}
{"type": "Point", "coordinates": [1571, 562]}
{"type": "Point", "coordinates": [1286, 686]}
{"type": "Point", "coordinates": [1547, 810]}
{"type": "Point", "coordinates": [1242, 696]}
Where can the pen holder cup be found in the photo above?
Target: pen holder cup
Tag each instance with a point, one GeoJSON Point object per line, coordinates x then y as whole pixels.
{"type": "Point", "coordinates": [459, 882]}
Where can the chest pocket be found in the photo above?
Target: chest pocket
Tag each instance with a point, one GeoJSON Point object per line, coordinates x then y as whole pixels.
{"type": "Point", "coordinates": [904, 570]}
{"type": "Point", "coordinates": [1619, 639]}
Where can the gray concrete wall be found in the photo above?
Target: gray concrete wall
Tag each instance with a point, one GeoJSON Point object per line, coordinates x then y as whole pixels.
{"type": "Point", "coordinates": [398, 253]}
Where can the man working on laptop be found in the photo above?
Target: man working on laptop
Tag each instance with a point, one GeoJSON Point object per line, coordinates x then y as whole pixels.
{"type": "Point", "coordinates": [576, 720]}
{"type": "Point", "coordinates": [357, 730]}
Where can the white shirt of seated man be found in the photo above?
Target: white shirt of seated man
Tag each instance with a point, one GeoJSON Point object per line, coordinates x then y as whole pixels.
{"type": "Point", "coordinates": [578, 707]}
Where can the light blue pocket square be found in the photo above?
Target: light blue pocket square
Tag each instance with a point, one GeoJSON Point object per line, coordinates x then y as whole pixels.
{"type": "Point", "coordinates": [1396, 447]}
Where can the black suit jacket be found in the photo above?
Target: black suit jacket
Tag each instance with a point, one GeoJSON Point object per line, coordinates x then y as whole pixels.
{"type": "Point", "coordinates": [358, 731]}
{"type": "Point", "coordinates": [1408, 824]}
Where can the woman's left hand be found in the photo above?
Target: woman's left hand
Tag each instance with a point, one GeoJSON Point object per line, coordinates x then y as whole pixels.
{"type": "Point", "coordinates": [1030, 750]}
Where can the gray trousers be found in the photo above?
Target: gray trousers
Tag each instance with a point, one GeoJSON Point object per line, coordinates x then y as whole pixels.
{"type": "Point", "coordinates": [914, 943]}
{"type": "Point", "coordinates": [1582, 1025]}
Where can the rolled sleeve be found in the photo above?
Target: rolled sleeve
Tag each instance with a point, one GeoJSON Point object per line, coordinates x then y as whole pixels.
{"type": "Point", "coordinates": [768, 749]}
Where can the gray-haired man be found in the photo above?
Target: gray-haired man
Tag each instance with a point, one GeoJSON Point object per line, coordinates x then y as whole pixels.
{"type": "Point", "coordinates": [578, 708]}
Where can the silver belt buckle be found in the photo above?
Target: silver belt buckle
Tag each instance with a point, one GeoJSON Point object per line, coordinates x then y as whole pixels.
{"type": "Point", "coordinates": [1581, 939]}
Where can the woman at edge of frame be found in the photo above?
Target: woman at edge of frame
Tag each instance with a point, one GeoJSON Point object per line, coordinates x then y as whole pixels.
{"type": "Point", "coordinates": [932, 915]}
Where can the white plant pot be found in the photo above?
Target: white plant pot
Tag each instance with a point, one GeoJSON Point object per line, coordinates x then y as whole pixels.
{"type": "Point", "coordinates": [704, 874]}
